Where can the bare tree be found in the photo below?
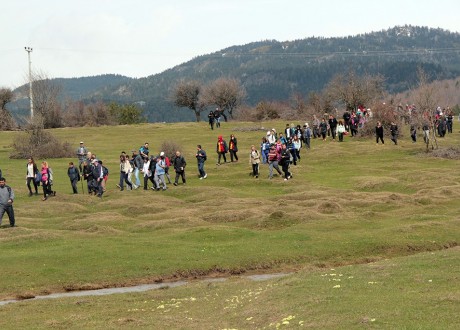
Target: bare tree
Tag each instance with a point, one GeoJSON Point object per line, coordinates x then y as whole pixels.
{"type": "Point", "coordinates": [426, 100]}
{"type": "Point", "coordinates": [352, 90]}
{"type": "Point", "coordinates": [226, 93]}
{"type": "Point", "coordinates": [46, 100]}
{"type": "Point", "coordinates": [7, 121]}
{"type": "Point", "coordinates": [6, 96]}
{"type": "Point", "coordinates": [187, 94]}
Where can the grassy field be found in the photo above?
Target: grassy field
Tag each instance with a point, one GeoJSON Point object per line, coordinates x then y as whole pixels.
{"type": "Point", "coordinates": [371, 212]}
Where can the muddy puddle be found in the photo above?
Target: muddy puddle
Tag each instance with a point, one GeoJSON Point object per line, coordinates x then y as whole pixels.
{"type": "Point", "coordinates": [140, 288]}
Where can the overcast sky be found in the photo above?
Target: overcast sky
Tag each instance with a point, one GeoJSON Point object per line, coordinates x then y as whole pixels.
{"type": "Point", "coordinates": [138, 38]}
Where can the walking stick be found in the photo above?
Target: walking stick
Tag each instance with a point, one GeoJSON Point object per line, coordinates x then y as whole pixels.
{"type": "Point", "coordinates": [83, 190]}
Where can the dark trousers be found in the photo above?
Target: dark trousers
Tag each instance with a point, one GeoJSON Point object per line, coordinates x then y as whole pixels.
{"type": "Point", "coordinates": [9, 210]}
{"type": "Point", "coordinates": [201, 169]}
{"type": "Point", "coordinates": [146, 181]}
{"type": "Point", "coordinates": [394, 138]}
{"type": "Point", "coordinates": [340, 137]}
{"type": "Point", "coordinates": [74, 183]}
{"type": "Point", "coordinates": [255, 169]}
{"type": "Point", "coordinates": [35, 185]}
{"type": "Point", "coordinates": [180, 174]}
{"type": "Point", "coordinates": [285, 167]}
{"type": "Point", "coordinates": [122, 177]}
{"type": "Point", "coordinates": [333, 131]}
{"type": "Point", "coordinates": [221, 154]}
{"type": "Point", "coordinates": [47, 189]}
{"type": "Point", "coordinates": [233, 155]}
{"type": "Point", "coordinates": [294, 156]}
{"type": "Point", "coordinates": [377, 137]}
{"type": "Point", "coordinates": [98, 187]}
{"type": "Point", "coordinates": [125, 179]}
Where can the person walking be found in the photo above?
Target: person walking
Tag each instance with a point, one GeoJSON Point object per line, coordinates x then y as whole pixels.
{"type": "Point", "coordinates": [47, 181]}
{"type": "Point", "coordinates": [233, 148]}
{"type": "Point", "coordinates": [285, 160]}
{"type": "Point", "coordinates": [81, 154]}
{"type": "Point", "coordinates": [413, 132]}
{"type": "Point", "coordinates": [307, 135]}
{"type": "Point", "coordinates": [125, 169]}
{"type": "Point", "coordinates": [74, 176]}
{"type": "Point", "coordinates": [255, 161]}
{"type": "Point", "coordinates": [179, 164]}
{"type": "Point", "coordinates": [88, 176]}
{"type": "Point", "coordinates": [31, 176]}
{"type": "Point", "coordinates": [379, 133]}
{"type": "Point", "coordinates": [211, 119]}
{"type": "Point", "coordinates": [168, 165]}
{"type": "Point", "coordinates": [98, 177]}
{"type": "Point", "coordinates": [159, 175]}
{"type": "Point", "coordinates": [340, 130]}
{"type": "Point", "coordinates": [6, 202]}
{"type": "Point", "coordinates": [201, 158]}
{"type": "Point", "coordinates": [394, 132]}
{"type": "Point", "coordinates": [273, 158]}
{"type": "Point", "coordinates": [323, 129]}
{"type": "Point", "coordinates": [138, 163]}
{"type": "Point", "coordinates": [221, 149]}
{"type": "Point", "coordinates": [333, 126]}
{"type": "Point", "coordinates": [147, 174]}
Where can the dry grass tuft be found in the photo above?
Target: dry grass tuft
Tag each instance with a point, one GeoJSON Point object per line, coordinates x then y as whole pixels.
{"type": "Point", "coordinates": [370, 182]}
{"type": "Point", "coordinates": [229, 216]}
{"type": "Point", "coordinates": [25, 296]}
{"type": "Point", "coordinates": [446, 153]}
{"type": "Point", "coordinates": [20, 234]}
{"type": "Point", "coordinates": [329, 207]}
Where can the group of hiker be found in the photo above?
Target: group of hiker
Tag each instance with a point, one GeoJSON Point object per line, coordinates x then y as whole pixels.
{"type": "Point", "coordinates": [214, 118]}
{"type": "Point", "coordinates": [278, 150]}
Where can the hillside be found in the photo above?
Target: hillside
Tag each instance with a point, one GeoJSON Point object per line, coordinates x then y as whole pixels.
{"type": "Point", "coordinates": [273, 70]}
{"type": "Point", "coordinates": [366, 237]}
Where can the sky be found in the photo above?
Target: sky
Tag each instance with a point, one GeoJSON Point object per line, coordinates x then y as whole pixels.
{"type": "Point", "coordinates": [138, 38]}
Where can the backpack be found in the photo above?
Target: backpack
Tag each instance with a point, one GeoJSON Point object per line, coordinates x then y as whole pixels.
{"type": "Point", "coordinates": [105, 171]}
{"type": "Point", "coordinates": [38, 177]}
{"type": "Point", "coordinates": [50, 175]}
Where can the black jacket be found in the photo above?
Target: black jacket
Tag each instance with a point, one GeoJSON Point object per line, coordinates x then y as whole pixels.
{"type": "Point", "coordinates": [179, 164]}
{"type": "Point", "coordinates": [73, 173]}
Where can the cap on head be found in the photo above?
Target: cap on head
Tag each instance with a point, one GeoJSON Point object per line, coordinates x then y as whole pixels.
{"type": "Point", "coordinates": [81, 142]}
{"type": "Point", "coordinates": [162, 153]}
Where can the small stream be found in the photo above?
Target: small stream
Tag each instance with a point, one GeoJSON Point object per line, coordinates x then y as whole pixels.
{"type": "Point", "coordinates": [139, 288]}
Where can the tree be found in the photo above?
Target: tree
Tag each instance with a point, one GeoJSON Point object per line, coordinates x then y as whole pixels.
{"type": "Point", "coordinates": [78, 114]}
{"type": "Point", "coordinates": [6, 96]}
{"type": "Point", "coordinates": [45, 93]}
{"type": "Point", "coordinates": [426, 100]}
{"type": "Point", "coordinates": [187, 94]}
{"type": "Point", "coordinates": [352, 91]}
{"type": "Point", "coordinates": [6, 120]}
{"type": "Point", "coordinates": [226, 93]}
{"type": "Point", "coordinates": [126, 114]}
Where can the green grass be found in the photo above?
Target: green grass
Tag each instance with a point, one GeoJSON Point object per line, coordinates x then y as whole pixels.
{"type": "Point", "coordinates": [349, 203]}
{"type": "Point", "coordinates": [415, 292]}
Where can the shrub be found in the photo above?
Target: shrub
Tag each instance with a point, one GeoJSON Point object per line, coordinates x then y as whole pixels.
{"type": "Point", "coordinates": [170, 148]}
{"type": "Point", "coordinates": [38, 143]}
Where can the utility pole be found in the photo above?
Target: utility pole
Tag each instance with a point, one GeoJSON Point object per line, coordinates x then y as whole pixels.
{"type": "Point", "coordinates": [29, 50]}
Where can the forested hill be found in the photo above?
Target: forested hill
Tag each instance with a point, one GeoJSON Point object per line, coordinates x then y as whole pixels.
{"type": "Point", "coordinates": [273, 70]}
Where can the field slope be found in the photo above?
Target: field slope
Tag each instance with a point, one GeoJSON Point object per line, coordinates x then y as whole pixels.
{"type": "Point", "coordinates": [349, 204]}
